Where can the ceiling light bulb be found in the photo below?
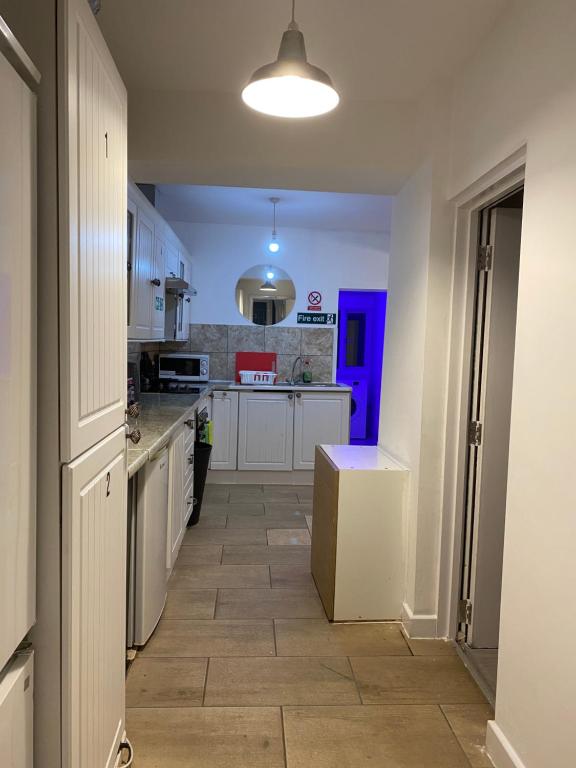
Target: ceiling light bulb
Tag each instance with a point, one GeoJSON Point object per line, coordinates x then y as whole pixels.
{"type": "Point", "coordinates": [290, 86]}
{"type": "Point", "coordinates": [273, 246]}
{"type": "Point", "coordinates": [270, 275]}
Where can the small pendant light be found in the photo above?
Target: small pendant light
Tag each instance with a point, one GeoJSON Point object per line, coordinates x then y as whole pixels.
{"type": "Point", "coordinates": [274, 245]}
{"type": "Point", "coordinates": [290, 86]}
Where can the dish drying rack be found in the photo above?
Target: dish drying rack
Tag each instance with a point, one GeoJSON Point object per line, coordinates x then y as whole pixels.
{"type": "Point", "coordinates": [257, 377]}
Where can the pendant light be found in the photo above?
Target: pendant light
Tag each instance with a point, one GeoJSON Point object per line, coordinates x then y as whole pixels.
{"type": "Point", "coordinates": [290, 86]}
{"type": "Point", "coordinates": [268, 285]}
{"type": "Point", "coordinates": [274, 245]}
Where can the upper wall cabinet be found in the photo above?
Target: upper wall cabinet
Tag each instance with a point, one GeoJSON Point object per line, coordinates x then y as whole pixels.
{"type": "Point", "coordinates": [154, 253]}
{"type": "Point", "coordinates": [93, 175]}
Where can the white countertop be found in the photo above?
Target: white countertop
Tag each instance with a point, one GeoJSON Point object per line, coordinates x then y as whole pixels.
{"type": "Point", "coordinates": [363, 457]}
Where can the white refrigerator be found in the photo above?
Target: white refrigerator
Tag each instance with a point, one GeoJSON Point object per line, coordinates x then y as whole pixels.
{"type": "Point", "coordinates": [17, 408]}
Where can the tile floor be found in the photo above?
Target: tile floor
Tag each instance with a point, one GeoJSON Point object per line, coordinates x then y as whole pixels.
{"type": "Point", "coordinates": [244, 669]}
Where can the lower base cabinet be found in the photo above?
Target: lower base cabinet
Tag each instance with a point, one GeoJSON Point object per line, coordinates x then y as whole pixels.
{"type": "Point", "coordinates": [94, 604]}
{"type": "Point", "coordinates": [176, 503]}
{"type": "Point", "coordinates": [320, 418]}
{"type": "Point", "coordinates": [265, 430]}
{"type": "Point", "coordinates": [276, 431]}
{"type": "Point", "coordinates": [225, 430]}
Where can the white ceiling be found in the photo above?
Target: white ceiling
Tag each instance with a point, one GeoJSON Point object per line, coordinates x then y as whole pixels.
{"type": "Point", "coordinates": [373, 49]}
{"type": "Point", "coordinates": [185, 63]}
{"type": "Point", "coordinates": [307, 210]}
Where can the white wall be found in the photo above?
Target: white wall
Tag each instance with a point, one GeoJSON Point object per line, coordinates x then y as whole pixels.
{"type": "Point", "coordinates": [316, 260]}
{"type": "Point", "coordinates": [522, 89]}
{"type": "Point", "coordinates": [413, 381]}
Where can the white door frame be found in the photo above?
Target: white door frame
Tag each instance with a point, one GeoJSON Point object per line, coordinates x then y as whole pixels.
{"type": "Point", "coordinates": [504, 178]}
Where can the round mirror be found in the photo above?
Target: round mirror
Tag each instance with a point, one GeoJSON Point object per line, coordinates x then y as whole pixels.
{"type": "Point", "coordinates": [265, 295]}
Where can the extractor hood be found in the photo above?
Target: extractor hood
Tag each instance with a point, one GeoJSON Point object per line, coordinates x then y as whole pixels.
{"type": "Point", "coordinates": [177, 286]}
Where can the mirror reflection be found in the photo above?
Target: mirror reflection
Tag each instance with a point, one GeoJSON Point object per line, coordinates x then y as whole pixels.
{"type": "Point", "coordinates": [265, 295]}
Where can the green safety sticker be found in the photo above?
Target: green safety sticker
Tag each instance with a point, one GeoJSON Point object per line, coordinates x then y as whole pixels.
{"type": "Point", "coordinates": [317, 318]}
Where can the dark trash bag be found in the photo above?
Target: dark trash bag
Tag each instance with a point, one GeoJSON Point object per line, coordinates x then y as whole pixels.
{"type": "Point", "coordinates": [202, 453]}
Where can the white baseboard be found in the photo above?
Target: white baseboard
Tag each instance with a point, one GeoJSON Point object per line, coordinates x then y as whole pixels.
{"type": "Point", "coordinates": [419, 625]}
{"type": "Point", "coordinates": [499, 749]}
{"type": "Point", "coordinates": [259, 477]}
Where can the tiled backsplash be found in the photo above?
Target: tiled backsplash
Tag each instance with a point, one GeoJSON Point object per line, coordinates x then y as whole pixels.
{"type": "Point", "coordinates": [222, 342]}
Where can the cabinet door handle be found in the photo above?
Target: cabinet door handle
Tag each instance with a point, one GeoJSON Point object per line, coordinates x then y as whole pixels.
{"type": "Point", "coordinates": [298, 395]}
{"type": "Point", "coordinates": [290, 396]}
{"type": "Point", "coordinates": [189, 423]}
{"type": "Point", "coordinates": [157, 282]}
{"type": "Point", "coordinates": [191, 459]}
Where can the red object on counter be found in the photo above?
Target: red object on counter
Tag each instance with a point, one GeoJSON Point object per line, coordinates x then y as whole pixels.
{"type": "Point", "coordinates": [255, 361]}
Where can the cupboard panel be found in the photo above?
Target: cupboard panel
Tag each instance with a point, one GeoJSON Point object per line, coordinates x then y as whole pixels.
{"type": "Point", "coordinates": [94, 604]}
{"type": "Point", "coordinates": [265, 430]}
{"type": "Point", "coordinates": [225, 429]}
{"type": "Point", "coordinates": [319, 419]}
{"type": "Point", "coordinates": [93, 252]}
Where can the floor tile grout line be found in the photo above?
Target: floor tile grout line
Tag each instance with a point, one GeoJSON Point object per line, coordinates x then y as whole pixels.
{"type": "Point", "coordinates": [356, 683]}
{"type": "Point", "coordinates": [453, 732]}
{"type": "Point", "coordinates": [284, 745]}
{"type": "Point", "coordinates": [205, 682]}
{"type": "Point", "coordinates": [275, 638]}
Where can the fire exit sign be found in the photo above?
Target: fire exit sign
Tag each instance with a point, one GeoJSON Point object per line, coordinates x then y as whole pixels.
{"type": "Point", "coordinates": [317, 318]}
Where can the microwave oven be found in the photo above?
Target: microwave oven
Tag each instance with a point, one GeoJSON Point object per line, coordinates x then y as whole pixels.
{"type": "Point", "coordinates": [183, 367]}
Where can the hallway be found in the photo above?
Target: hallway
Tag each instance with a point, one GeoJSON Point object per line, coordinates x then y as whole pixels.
{"type": "Point", "coordinates": [245, 670]}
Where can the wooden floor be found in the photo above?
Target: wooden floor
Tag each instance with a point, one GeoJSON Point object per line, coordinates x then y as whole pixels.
{"type": "Point", "coordinates": [244, 669]}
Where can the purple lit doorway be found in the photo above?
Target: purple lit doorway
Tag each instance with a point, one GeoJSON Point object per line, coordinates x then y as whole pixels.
{"type": "Point", "coordinates": [361, 323]}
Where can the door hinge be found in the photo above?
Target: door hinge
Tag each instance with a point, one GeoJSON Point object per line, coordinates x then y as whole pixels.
{"type": "Point", "coordinates": [475, 433]}
{"type": "Point", "coordinates": [465, 612]}
{"type": "Point", "coordinates": [485, 257]}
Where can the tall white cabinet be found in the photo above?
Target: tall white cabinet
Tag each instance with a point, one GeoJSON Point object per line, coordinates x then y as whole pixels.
{"type": "Point", "coordinates": [17, 410]}
{"type": "Point", "coordinates": [93, 179]}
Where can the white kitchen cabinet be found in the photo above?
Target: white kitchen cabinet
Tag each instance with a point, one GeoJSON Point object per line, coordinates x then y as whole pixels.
{"type": "Point", "coordinates": [157, 285]}
{"type": "Point", "coordinates": [176, 503]}
{"type": "Point", "coordinates": [265, 430]}
{"type": "Point", "coordinates": [94, 604]}
{"type": "Point", "coordinates": [172, 266]}
{"type": "Point", "coordinates": [320, 418]}
{"type": "Point", "coordinates": [16, 712]}
{"type": "Point", "coordinates": [225, 430]}
{"type": "Point", "coordinates": [17, 362]}
{"type": "Point", "coordinates": [141, 276]}
{"type": "Point", "coordinates": [189, 439]}
{"type": "Point", "coordinates": [93, 204]}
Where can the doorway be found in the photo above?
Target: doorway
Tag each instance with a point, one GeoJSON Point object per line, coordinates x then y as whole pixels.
{"type": "Point", "coordinates": [491, 367]}
{"type": "Point", "coordinates": [361, 324]}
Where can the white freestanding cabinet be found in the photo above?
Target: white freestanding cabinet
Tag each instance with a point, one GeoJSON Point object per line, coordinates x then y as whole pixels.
{"type": "Point", "coordinates": [319, 418]}
{"type": "Point", "coordinates": [17, 361]}
{"type": "Point", "coordinates": [16, 717]}
{"type": "Point", "coordinates": [266, 430]}
{"type": "Point", "coordinates": [94, 604]}
{"type": "Point", "coordinates": [176, 505]}
{"type": "Point", "coordinates": [357, 536]}
{"type": "Point", "coordinates": [225, 426]}
{"type": "Point", "coordinates": [93, 202]}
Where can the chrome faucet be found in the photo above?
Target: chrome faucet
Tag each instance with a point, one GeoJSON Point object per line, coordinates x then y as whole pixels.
{"type": "Point", "coordinates": [293, 380]}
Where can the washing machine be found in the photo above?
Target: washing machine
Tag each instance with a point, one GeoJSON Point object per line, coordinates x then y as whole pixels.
{"type": "Point", "coordinates": [358, 408]}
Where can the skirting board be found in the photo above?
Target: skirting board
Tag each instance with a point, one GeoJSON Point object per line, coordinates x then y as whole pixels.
{"type": "Point", "coordinates": [249, 477]}
{"type": "Point", "coordinates": [419, 625]}
{"type": "Point", "coordinates": [499, 749]}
